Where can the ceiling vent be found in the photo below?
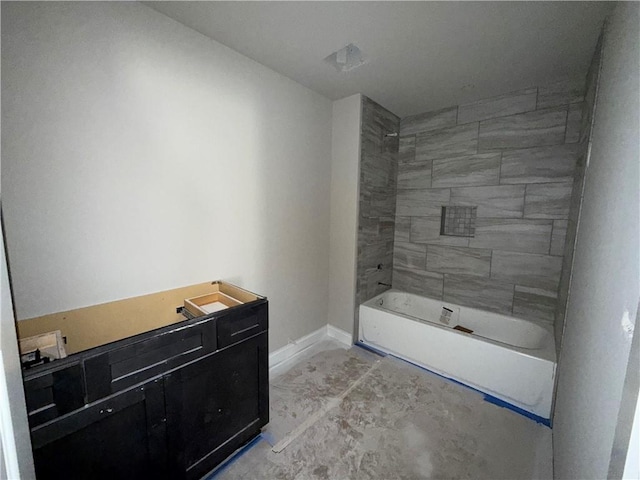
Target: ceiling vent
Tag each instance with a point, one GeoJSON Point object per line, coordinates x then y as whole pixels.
{"type": "Point", "coordinates": [346, 58]}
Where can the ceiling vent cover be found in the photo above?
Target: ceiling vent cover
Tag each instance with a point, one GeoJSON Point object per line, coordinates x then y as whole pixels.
{"type": "Point", "coordinates": [346, 58]}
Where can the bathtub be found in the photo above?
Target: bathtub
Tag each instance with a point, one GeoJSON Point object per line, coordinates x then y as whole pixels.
{"type": "Point", "coordinates": [511, 359]}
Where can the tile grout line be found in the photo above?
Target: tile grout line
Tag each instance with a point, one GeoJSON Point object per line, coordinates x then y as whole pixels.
{"type": "Point", "coordinates": [566, 124]}
{"type": "Point", "coordinates": [490, 263]}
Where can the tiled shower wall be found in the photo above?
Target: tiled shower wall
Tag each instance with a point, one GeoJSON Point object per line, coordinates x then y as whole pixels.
{"type": "Point", "coordinates": [514, 158]}
{"type": "Point", "coordinates": [378, 169]}
{"type": "Point", "coordinates": [577, 192]}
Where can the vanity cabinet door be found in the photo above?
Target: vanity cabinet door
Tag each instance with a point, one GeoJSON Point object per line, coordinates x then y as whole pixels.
{"type": "Point", "coordinates": [215, 405]}
{"type": "Point", "coordinates": [120, 437]}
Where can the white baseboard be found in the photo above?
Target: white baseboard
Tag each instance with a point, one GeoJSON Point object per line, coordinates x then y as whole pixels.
{"type": "Point", "coordinates": [298, 346]}
{"type": "Point", "coordinates": [340, 335]}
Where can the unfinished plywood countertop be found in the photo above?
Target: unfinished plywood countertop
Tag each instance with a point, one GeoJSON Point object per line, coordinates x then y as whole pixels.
{"type": "Point", "coordinates": [97, 325]}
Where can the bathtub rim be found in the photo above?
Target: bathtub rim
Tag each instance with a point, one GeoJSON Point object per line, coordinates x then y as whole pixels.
{"type": "Point", "coordinates": [548, 352]}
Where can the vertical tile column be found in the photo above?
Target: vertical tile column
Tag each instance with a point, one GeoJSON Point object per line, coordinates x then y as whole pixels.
{"type": "Point", "coordinates": [378, 172]}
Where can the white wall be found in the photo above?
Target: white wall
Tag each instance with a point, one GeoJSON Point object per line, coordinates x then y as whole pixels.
{"type": "Point", "coordinates": [345, 171]}
{"type": "Point", "coordinates": [606, 275]}
{"type": "Point", "coordinates": [16, 460]}
{"type": "Point", "coordinates": [140, 156]}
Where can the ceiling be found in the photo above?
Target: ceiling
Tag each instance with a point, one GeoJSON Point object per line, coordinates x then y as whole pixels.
{"type": "Point", "coordinates": [420, 56]}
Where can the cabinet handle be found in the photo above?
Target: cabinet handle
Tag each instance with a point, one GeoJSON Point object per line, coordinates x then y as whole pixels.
{"type": "Point", "coordinates": [106, 410]}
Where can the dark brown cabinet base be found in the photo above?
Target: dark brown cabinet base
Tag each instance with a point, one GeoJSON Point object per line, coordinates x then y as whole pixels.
{"type": "Point", "coordinates": [212, 405]}
{"type": "Point", "coordinates": [143, 416]}
{"type": "Point", "coordinates": [122, 437]}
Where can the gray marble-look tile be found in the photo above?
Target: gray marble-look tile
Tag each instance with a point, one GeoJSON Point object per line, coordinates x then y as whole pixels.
{"type": "Point", "coordinates": [386, 229]}
{"type": "Point", "coordinates": [574, 123]}
{"type": "Point", "coordinates": [503, 105]}
{"type": "Point", "coordinates": [420, 282]}
{"type": "Point", "coordinates": [448, 142]}
{"type": "Point", "coordinates": [377, 114]}
{"type": "Point", "coordinates": [534, 304]}
{"type": "Point", "coordinates": [377, 170]}
{"type": "Point", "coordinates": [556, 163]}
{"type": "Point", "coordinates": [375, 278]}
{"type": "Point", "coordinates": [478, 292]}
{"type": "Point", "coordinates": [516, 235]}
{"type": "Point", "coordinates": [409, 255]}
{"type": "Point", "coordinates": [561, 308]}
{"type": "Point", "coordinates": [382, 202]}
{"type": "Point", "coordinates": [547, 200]}
{"type": "Point", "coordinates": [565, 277]}
{"type": "Point", "coordinates": [460, 260]}
{"type": "Point", "coordinates": [414, 175]}
{"type": "Point", "coordinates": [369, 256]}
{"type": "Point", "coordinates": [415, 203]}
{"type": "Point", "coordinates": [530, 270]}
{"type": "Point", "coordinates": [403, 229]}
{"type": "Point", "coordinates": [481, 169]}
{"type": "Point", "coordinates": [586, 120]}
{"type": "Point", "coordinates": [361, 288]}
{"type": "Point", "coordinates": [570, 241]}
{"type": "Point", "coordinates": [499, 201]}
{"type": "Point", "coordinates": [558, 237]}
{"type": "Point", "coordinates": [365, 201]}
{"type": "Point", "coordinates": [368, 230]}
{"type": "Point", "coordinates": [577, 191]}
{"type": "Point", "coordinates": [532, 129]}
{"type": "Point", "coordinates": [390, 144]}
{"type": "Point", "coordinates": [589, 99]}
{"type": "Point", "coordinates": [561, 93]}
{"type": "Point", "coordinates": [407, 149]}
{"type": "Point", "coordinates": [427, 230]}
{"type": "Point", "coordinates": [424, 122]}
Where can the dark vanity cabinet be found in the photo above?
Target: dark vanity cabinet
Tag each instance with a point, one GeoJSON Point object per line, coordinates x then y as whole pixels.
{"type": "Point", "coordinates": [170, 403]}
{"type": "Point", "coordinates": [122, 436]}
{"type": "Point", "coordinates": [214, 405]}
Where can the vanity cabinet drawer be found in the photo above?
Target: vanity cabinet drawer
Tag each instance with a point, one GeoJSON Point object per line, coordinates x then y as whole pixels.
{"type": "Point", "coordinates": [55, 393]}
{"type": "Point", "coordinates": [123, 367]}
{"type": "Point", "coordinates": [234, 328]}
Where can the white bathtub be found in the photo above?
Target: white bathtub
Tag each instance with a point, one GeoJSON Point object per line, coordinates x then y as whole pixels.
{"type": "Point", "coordinates": [508, 358]}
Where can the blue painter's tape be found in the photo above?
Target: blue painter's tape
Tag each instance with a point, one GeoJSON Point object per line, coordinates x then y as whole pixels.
{"type": "Point", "coordinates": [364, 346]}
{"type": "Point", "coordinates": [231, 460]}
{"type": "Point", "coordinates": [488, 398]}
{"type": "Point", "coordinates": [267, 437]}
{"type": "Point", "coordinates": [501, 403]}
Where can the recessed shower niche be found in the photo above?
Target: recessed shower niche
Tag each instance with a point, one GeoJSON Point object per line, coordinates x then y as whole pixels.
{"type": "Point", "coordinates": [458, 221]}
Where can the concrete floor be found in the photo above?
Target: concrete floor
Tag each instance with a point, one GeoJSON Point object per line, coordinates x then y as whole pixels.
{"type": "Point", "coordinates": [350, 414]}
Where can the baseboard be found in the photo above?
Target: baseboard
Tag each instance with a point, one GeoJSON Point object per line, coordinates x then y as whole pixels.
{"type": "Point", "coordinates": [340, 335]}
{"type": "Point", "coordinates": [298, 346]}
